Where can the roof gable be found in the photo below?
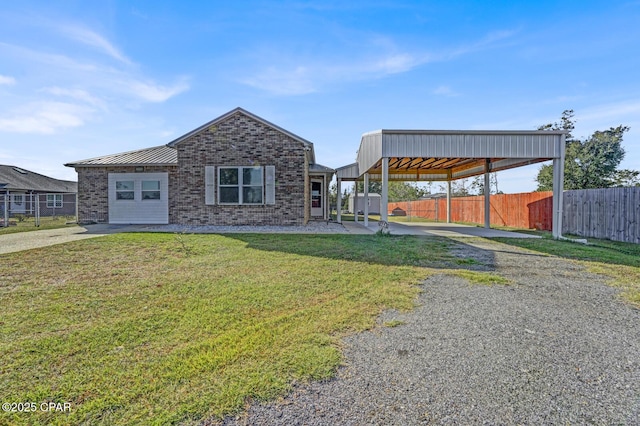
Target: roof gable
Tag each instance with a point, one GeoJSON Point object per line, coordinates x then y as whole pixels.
{"type": "Point", "coordinates": [308, 145]}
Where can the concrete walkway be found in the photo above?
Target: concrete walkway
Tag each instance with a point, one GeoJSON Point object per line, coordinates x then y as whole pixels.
{"type": "Point", "coordinates": [20, 241]}
{"type": "Point", "coordinates": [434, 229]}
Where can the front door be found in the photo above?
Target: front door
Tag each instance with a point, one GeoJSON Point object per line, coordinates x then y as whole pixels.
{"type": "Point", "coordinates": [317, 202]}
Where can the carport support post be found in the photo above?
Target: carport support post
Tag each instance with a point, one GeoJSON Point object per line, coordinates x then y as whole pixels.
{"type": "Point", "coordinates": [449, 201]}
{"type": "Point", "coordinates": [384, 197]}
{"type": "Point", "coordinates": [558, 184]}
{"type": "Point", "coordinates": [487, 195]}
{"type": "Point", "coordinates": [355, 201]}
{"type": "Point", "coordinates": [339, 200]}
{"type": "Point", "coordinates": [366, 199]}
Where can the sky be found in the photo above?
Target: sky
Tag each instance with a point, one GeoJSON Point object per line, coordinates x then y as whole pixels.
{"type": "Point", "coordinates": [83, 79]}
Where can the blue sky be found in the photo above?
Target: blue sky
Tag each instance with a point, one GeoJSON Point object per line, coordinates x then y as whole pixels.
{"type": "Point", "coordinates": [81, 79]}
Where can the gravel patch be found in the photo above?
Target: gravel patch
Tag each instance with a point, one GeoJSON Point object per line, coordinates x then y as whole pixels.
{"type": "Point", "coordinates": [555, 347]}
{"type": "Point", "coordinates": [310, 228]}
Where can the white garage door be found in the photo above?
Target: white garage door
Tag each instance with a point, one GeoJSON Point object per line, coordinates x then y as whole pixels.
{"type": "Point", "coordinates": [139, 198]}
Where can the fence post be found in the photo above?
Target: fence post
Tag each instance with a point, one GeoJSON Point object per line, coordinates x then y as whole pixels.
{"type": "Point", "coordinates": [37, 221]}
{"type": "Point", "coordinates": [6, 209]}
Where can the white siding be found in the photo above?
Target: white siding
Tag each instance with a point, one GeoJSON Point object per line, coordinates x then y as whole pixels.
{"type": "Point", "coordinates": [139, 211]}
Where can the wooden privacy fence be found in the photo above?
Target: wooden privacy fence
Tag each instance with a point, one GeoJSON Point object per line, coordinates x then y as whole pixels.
{"type": "Point", "coordinates": [531, 210]}
{"type": "Point", "coordinates": [611, 213]}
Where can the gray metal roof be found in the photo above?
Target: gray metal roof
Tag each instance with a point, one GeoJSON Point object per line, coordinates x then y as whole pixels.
{"type": "Point", "coordinates": [453, 154]}
{"type": "Point", "coordinates": [319, 168]}
{"type": "Point", "coordinates": [14, 178]}
{"type": "Point", "coordinates": [348, 172]}
{"type": "Point", "coordinates": [159, 155]}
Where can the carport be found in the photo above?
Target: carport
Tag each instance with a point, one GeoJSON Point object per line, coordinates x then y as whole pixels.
{"type": "Point", "coordinates": [444, 155]}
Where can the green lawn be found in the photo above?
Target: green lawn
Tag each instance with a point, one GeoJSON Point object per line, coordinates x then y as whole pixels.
{"type": "Point", "coordinates": [26, 224]}
{"type": "Point", "coordinates": [168, 329]}
{"type": "Point", "coordinates": [173, 328]}
{"type": "Point", "coordinates": [620, 262]}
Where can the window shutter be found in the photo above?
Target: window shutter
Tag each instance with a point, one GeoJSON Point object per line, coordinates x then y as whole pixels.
{"type": "Point", "coordinates": [270, 184]}
{"type": "Point", "coordinates": [209, 185]}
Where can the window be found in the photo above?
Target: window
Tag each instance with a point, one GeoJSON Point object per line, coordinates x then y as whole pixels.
{"type": "Point", "coordinates": [150, 190]}
{"type": "Point", "coordinates": [54, 200]}
{"type": "Point", "coordinates": [124, 190]}
{"type": "Point", "coordinates": [241, 185]}
{"type": "Point", "coordinates": [17, 200]}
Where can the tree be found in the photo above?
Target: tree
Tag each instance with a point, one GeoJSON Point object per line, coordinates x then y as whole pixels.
{"type": "Point", "coordinates": [477, 185]}
{"type": "Point", "coordinates": [405, 191]}
{"type": "Point", "coordinates": [398, 191]}
{"type": "Point", "coordinates": [459, 188]}
{"type": "Point", "coordinates": [589, 163]}
{"type": "Point", "coordinates": [375, 187]}
{"type": "Point", "coordinates": [626, 177]}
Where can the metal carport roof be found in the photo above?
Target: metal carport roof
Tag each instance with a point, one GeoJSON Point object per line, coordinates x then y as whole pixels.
{"type": "Point", "coordinates": [446, 155]}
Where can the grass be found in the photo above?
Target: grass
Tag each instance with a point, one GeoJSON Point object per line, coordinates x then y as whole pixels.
{"type": "Point", "coordinates": [393, 323]}
{"type": "Point", "coordinates": [481, 278]}
{"type": "Point", "coordinates": [616, 260]}
{"type": "Point", "coordinates": [375, 218]}
{"type": "Point", "coordinates": [173, 329]}
{"type": "Point", "coordinates": [28, 224]}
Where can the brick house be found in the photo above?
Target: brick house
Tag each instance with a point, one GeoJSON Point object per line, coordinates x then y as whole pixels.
{"type": "Point", "coordinates": [23, 192]}
{"type": "Point", "coordinates": [237, 169]}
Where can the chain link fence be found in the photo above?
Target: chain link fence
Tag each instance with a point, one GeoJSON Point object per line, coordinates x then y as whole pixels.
{"type": "Point", "coordinates": [22, 208]}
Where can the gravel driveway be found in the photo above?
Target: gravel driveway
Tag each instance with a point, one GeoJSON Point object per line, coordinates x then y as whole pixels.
{"type": "Point", "coordinates": [555, 347]}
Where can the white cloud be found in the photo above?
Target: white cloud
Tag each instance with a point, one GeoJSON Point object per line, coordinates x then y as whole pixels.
{"type": "Point", "coordinates": [445, 91]}
{"type": "Point", "coordinates": [93, 39]}
{"type": "Point", "coordinates": [7, 80]}
{"type": "Point", "coordinates": [305, 76]}
{"type": "Point", "coordinates": [77, 94]}
{"type": "Point", "coordinates": [45, 118]}
{"type": "Point", "coordinates": [297, 81]}
{"type": "Point", "coordinates": [110, 82]}
{"type": "Point", "coordinates": [609, 111]}
{"type": "Point", "coordinates": [396, 63]}
{"type": "Point", "coordinates": [152, 92]}
{"type": "Point", "coordinates": [309, 78]}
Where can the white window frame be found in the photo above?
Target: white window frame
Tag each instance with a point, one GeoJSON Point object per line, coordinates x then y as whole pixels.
{"type": "Point", "coordinates": [18, 199]}
{"type": "Point", "coordinates": [144, 191]}
{"type": "Point", "coordinates": [54, 201]}
{"type": "Point", "coordinates": [132, 190]}
{"type": "Point", "coordinates": [240, 185]}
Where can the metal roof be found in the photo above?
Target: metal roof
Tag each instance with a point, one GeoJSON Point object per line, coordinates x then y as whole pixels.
{"type": "Point", "coordinates": [14, 178]}
{"type": "Point", "coordinates": [319, 168]}
{"type": "Point", "coordinates": [452, 154]}
{"type": "Point", "coordinates": [348, 172]}
{"type": "Point", "coordinates": [167, 155]}
{"type": "Point", "coordinates": [159, 155]}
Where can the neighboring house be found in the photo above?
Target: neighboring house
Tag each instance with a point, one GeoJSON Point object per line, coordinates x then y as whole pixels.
{"type": "Point", "coordinates": [20, 188]}
{"type": "Point", "coordinates": [237, 169]}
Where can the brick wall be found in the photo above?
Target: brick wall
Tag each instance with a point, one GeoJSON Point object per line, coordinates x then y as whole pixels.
{"type": "Point", "coordinates": [238, 141]}
{"type": "Point", "coordinates": [93, 190]}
